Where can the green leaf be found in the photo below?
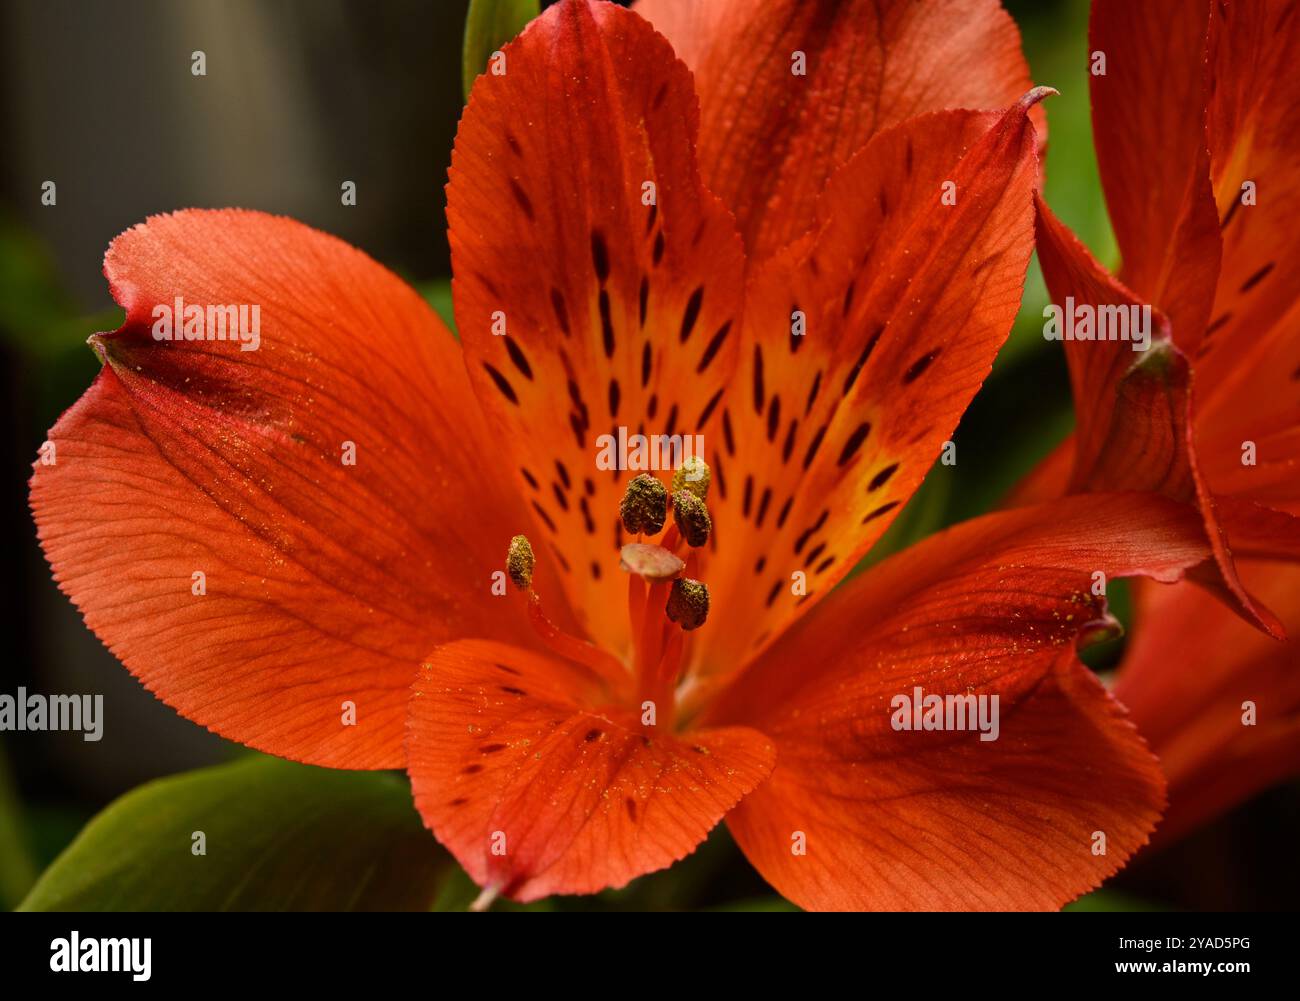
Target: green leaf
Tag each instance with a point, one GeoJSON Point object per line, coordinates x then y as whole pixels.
{"type": "Point", "coordinates": [279, 836]}
{"type": "Point", "coordinates": [488, 26]}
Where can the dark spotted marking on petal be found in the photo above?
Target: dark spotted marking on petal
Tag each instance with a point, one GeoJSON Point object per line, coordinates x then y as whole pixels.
{"type": "Point", "coordinates": [788, 447]}
{"type": "Point", "coordinates": [541, 513]}
{"type": "Point", "coordinates": [595, 570]}
{"type": "Point", "coordinates": [471, 769]}
{"type": "Point", "coordinates": [749, 495]}
{"type": "Point", "coordinates": [587, 521]}
{"type": "Point", "coordinates": [692, 313]}
{"type": "Point", "coordinates": [810, 531]}
{"type": "Point", "coordinates": [856, 370]}
{"type": "Point", "coordinates": [532, 480]}
{"type": "Point", "coordinates": [644, 302]}
{"type": "Point", "coordinates": [759, 394]}
{"type": "Point", "coordinates": [707, 412]}
{"type": "Point", "coordinates": [509, 670]}
{"type": "Point", "coordinates": [614, 395]}
{"type": "Point", "coordinates": [652, 407]}
{"type": "Point", "coordinates": [511, 690]}
{"type": "Point", "coordinates": [517, 356]}
{"type": "Point", "coordinates": [672, 419]}
{"type": "Point", "coordinates": [589, 485]}
{"type": "Point", "coordinates": [559, 497]}
{"type": "Point", "coordinates": [606, 324]}
{"type": "Point", "coordinates": [559, 557]}
{"type": "Point", "coordinates": [813, 446]}
{"type": "Point", "coordinates": [847, 305]}
{"type": "Point", "coordinates": [507, 390]}
{"type": "Point", "coordinates": [561, 312]}
{"type": "Point", "coordinates": [575, 394]}
{"type": "Point", "coordinates": [522, 198]}
{"type": "Point", "coordinates": [659, 248]}
{"type": "Point", "coordinates": [651, 216]}
{"type": "Point", "coordinates": [721, 477]}
{"type": "Point", "coordinates": [1257, 277]}
{"type": "Point", "coordinates": [771, 595]}
{"type": "Point", "coordinates": [458, 801]}
{"type": "Point", "coordinates": [854, 442]}
{"type": "Point", "coordinates": [658, 100]}
{"type": "Point", "coordinates": [785, 511]}
{"type": "Point", "coordinates": [631, 808]}
{"type": "Point", "coordinates": [884, 203]}
{"type": "Point", "coordinates": [513, 143]}
{"type": "Point", "coordinates": [824, 565]}
{"type": "Point", "coordinates": [492, 748]}
{"type": "Point", "coordinates": [881, 478]}
{"type": "Point", "coordinates": [1217, 324]}
{"type": "Point", "coordinates": [815, 551]}
{"type": "Point", "coordinates": [883, 509]}
{"type": "Point", "coordinates": [812, 393]}
{"type": "Point", "coordinates": [600, 255]}
{"type": "Point", "coordinates": [919, 366]}
{"type": "Point", "coordinates": [1232, 211]}
{"type": "Point", "coordinates": [714, 345]}
{"type": "Point", "coordinates": [593, 735]}
{"type": "Point", "coordinates": [773, 417]}
{"type": "Point", "coordinates": [763, 502]}
{"type": "Point", "coordinates": [647, 359]}
{"type": "Point", "coordinates": [563, 472]}
{"type": "Point", "coordinates": [760, 564]}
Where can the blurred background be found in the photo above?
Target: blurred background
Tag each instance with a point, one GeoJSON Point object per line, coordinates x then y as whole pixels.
{"type": "Point", "coordinates": [300, 96]}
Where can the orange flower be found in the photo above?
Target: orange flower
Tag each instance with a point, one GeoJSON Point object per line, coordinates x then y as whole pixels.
{"type": "Point", "coordinates": [349, 490]}
{"type": "Point", "coordinates": [1195, 116]}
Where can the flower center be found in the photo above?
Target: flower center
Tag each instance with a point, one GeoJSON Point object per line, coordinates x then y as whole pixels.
{"type": "Point", "coordinates": [665, 601]}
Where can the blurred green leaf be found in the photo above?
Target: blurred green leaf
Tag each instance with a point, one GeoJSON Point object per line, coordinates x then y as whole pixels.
{"type": "Point", "coordinates": [1112, 901]}
{"type": "Point", "coordinates": [438, 295]}
{"type": "Point", "coordinates": [488, 26]}
{"type": "Point", "coordinates": [279, 836]}
{"type": "Point", "coordinates": [17, 869]}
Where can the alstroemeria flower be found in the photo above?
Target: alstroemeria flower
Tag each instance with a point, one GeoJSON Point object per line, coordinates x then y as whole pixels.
{"type": "Point", "coordinates": [273, 540]}
{"type": "Point", "coordinates": [1195, 113]}
{"type": "Point", "coordinates": [1217, 699]}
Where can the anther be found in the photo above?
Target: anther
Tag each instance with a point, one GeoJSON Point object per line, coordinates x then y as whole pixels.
{"type": "Point", "coordinates": [688, 603]}
{"type": "Point", "coordinates": [644, 506]}
{"type": "Point", "coordinates": [520, 563]}
{"type": "Point", "coordinates": [693, 475]}
{"type": "Point", "coordinates": [691, 516]}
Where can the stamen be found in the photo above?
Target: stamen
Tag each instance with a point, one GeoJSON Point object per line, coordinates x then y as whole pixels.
{"type": "Point", "coordinates": [520, 564]}
{"type": "Point", "coordinates": [691, 518]}
{"type": "Point", "coordinates": [688, 603]}
{"type": "Point", "coordinates": [693, 475]}
{"type": "Point", "coordinates": [644, 506]}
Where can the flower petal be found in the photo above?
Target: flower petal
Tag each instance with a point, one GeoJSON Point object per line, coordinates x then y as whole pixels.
{"type": "Point", "coordinates": [942, 819]}
{"type": "Point", "coordinates": [617, 312]}
{"type": "Point", "coordinates": [904, 300]}
{"type": "Point", "coordinates": [771, 137]}
{"type": "Point", "coordinates": [1187, 676]}
{"type": "Point", "coordinates": [325, 583]}
{"type": "Point", "coordinates": [1135, 412]}
{"type": "Point", "coordinates": [1149, 118]}
{"type": "Point", "coordinates": [1254, 120]}
{"type": "Point", "coordinates": [538, 790]}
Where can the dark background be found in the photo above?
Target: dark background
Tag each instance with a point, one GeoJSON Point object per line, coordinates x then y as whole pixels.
{"type": "Point", "coordinates": [299, 96]}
